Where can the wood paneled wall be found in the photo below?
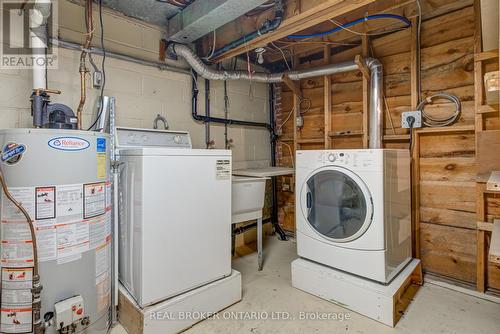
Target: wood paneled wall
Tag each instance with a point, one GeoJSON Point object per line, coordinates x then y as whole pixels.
{"type": "Point", "coordinates": [446, 160]}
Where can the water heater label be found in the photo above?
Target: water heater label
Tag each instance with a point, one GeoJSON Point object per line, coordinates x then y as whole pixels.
{"type": "Point", "coordinates": [101, 145]}
{"type": "Point", "coordinates": [69, 143]}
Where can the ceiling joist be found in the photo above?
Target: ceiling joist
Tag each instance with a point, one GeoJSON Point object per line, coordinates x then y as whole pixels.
{"type": "Point", "coordinates": [317, 12]}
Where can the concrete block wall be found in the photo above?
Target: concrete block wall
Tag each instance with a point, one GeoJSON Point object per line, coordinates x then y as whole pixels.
{"type": "Point", "coordinates": [141, 92]}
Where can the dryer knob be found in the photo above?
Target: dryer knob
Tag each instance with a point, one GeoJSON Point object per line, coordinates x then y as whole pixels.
{"type": "Point", "coordinates": [331, 157]}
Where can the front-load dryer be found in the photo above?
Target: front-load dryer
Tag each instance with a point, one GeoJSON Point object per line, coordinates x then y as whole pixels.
{"type": "Point", "coordinates": [354, 210]}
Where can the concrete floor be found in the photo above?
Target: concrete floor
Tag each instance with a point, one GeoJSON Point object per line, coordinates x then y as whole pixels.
{"type": "Point", "coordinates": [434, 310]}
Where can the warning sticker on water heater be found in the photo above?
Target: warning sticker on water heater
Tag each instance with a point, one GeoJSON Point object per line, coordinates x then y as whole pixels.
{"type": "Point", "coordinates": [45, 204]}
{"type": "Point", "coordinates": [94, 199]}
{"type": "Point", "coordinates": [69, 202]}
{"type": "Point", "coordinates": [16, 246]}
{"type": "Point", "coordinates": [25, 196]}
{"type": "Point", "coordinates": [223, 169]}
{"type": "Point", "coordinates": [16, 319]}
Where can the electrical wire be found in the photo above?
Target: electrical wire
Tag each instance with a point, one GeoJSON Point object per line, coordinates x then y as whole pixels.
{"type": "Point", "coordinates": [290, 151]}
{"type": "Point", "coordinates": [102, 68]}
{"type": "Point", "coordinates": [352, 23]}
{"type": "Point", "coordinates": [431, 121]}
{"type": "Point", "coordinates": [278, 129]}
{"type": "Point", "coordinates": [288, 44]}
{"type": "Point", "coordinates": [359, 33]}
{"type": "Point", "coordinates": [213, 48]}
{"type": "Point", "coordinates": [283, 54]}
{"type": "Point", "coordinates": [309, 104]}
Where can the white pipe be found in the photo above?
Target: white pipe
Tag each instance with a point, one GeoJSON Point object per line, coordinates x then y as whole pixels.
{"type": "Point", "coordinates": [38, 40]}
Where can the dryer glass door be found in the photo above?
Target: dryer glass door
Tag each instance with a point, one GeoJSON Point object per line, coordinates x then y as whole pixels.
{"type": "Point", "coordinates": [338, 204]}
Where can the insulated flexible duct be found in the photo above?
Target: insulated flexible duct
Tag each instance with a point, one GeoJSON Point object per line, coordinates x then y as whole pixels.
{"type": "Point", "coordinates": [376, 86]}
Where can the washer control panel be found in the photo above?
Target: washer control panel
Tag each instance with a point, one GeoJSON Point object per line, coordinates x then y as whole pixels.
{"type": "Point", "coordinates": [133, 137]}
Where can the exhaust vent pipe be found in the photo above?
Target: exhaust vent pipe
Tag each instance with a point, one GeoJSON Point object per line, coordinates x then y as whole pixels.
{"type": "Point", "coordinates": [376, 81]}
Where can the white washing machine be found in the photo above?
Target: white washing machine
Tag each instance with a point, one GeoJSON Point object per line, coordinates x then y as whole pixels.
{"type": "Point", "coordinates": [354, 211]}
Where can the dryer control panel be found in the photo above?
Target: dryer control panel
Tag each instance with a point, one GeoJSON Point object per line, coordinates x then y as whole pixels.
{"type": "Point", "coordinates": [351, 158]}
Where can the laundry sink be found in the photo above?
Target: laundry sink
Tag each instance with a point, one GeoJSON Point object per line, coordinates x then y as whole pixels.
{"type": "Point", "coordinates": [247, 198]}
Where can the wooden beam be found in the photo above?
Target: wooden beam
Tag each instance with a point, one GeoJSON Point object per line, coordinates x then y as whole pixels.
{"type": "Point", "coordinates": [401, 7]}
{"type": "Point", "coordinates": [292, 85]}
{"type": "Point", "coordinates": [486, 55]}
{"type": "Point", "coordinates": [485, 109]}
{"type": "Point", "coordinates": [360, 61]}
{"type": "Point", "coordinates": [327, 94]}
{"type": "Point", "coordinates": [345, 133]}
{"type": "Point", "coordinates": [321, 12]}
{"type": "Point", "coordinates": [310, 141]}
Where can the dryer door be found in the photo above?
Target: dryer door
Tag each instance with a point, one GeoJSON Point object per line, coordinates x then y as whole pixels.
{"type": "Point", "coordinates": [337, 204]}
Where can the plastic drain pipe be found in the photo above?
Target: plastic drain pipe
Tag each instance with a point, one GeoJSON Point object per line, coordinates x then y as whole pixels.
{"type": "Point", "coordinates": [376, 86]}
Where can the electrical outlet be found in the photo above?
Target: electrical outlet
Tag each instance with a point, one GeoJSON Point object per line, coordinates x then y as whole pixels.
{"type": "Point", "coordinates": [97, 79]}
{"type": "Point", "coordinates": [415, 114]}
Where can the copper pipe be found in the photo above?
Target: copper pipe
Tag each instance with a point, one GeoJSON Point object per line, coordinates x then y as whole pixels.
{"type": "Point", "coordinates": [83, 57]}
{"type": "Point", "coordinates": [28, 220]}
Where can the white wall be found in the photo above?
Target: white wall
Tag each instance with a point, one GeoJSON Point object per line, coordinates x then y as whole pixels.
{"type": "Point", "coordinates": [141, 92]}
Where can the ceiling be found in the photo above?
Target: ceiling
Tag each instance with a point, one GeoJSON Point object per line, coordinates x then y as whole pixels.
{"type": "Point", "coordinates": [151, 11]}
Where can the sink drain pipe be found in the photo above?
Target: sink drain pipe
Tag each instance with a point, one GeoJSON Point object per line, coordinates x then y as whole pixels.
{"type": "Point", "coordinates": [210, 119]}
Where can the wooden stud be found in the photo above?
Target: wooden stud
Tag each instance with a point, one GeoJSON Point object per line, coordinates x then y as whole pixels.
{"type": "Point", "coordinates": [415, 165]}
{"type": "Point", "coordinates": [327, 93]}
{"type": "Point", "coordinates": [478, 123]}
{"type": "Point", "coordinates": [481, 240]}
{"type": "Point", "coordinates": [415, 184]}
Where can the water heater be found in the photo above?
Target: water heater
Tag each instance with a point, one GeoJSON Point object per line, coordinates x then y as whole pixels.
{"type": "Point", "coordinates": [62, 179]}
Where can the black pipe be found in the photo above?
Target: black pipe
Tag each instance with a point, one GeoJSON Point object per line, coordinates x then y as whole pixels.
{"type": "Point", "coordinates": [207, 119]}
{"type": "Point", "coordinates": [244, 228]}
{"type": "Point", "coordinates": [268, 26]}
{"type": "Point", "coordinates": [274, 212]}
{"type": "Point", "coordinates": [207, 112]}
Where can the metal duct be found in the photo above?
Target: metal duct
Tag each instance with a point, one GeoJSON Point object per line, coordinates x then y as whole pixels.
{"type": "Point", "coordinates": [201, 17]}
{"type": "Point", "coordinates": [376, 81]}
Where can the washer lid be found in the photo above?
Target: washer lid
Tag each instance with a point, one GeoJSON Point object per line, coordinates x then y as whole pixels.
{"type": "Point", "coordinates": [337, 204]}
